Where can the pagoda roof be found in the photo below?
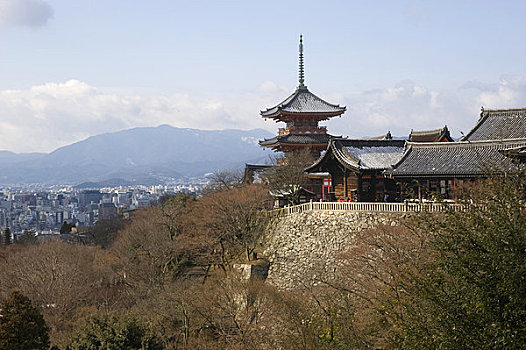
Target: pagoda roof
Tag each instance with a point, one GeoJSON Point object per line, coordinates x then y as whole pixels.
{"type": "Point", "coordinates": [302, 101]}
{"type": "Point", "coordinates": [435, 135]}
{"type": "Point", "coordinates": [302, 139]}
{"type": "Point", "coordinates": [362, 154]}
{"type": "Point", "coordinates": [499, 124]}
{"type": "Point", "coordinates": [455, 159]}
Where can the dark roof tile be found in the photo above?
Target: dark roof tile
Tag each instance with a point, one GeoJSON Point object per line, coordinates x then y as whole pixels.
{"type": "Point", "coordinates": [304, 139]}
{"type": "Point", "coordinates": [363, 154]}
{"type": "Point", "coordinates": [304, 101]}
{"type": "Point", "coordinates": [454, 159]}
{"type": "Point", "coordinates": [500, 124]}
{"type": "Point", "coordinates": [435, 135]}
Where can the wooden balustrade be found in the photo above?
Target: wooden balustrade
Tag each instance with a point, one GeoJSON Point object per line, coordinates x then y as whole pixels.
{"type": "Point", "coordinates": [378, 207]}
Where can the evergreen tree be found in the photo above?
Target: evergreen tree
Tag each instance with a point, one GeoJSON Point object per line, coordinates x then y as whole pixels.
{"type": "Point", "coordinates": [22, 326]}
{"type": "Point", "coordinates": [471, 294]}
{"type": "Point", "coordinates": [112, 333]}
{"type": "Point", "coordinates": [27, 238]}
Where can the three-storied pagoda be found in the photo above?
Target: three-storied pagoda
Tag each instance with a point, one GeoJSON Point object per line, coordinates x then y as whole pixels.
{"type": "Point", "coordinates": [301, 111]}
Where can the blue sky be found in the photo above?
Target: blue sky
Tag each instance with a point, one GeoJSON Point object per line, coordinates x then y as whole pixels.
{"type": "Point", "coordinates": [74, 68]}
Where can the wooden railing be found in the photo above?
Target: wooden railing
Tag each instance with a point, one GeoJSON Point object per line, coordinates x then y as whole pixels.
{"type": "Point", "coordinates": [379, 207]}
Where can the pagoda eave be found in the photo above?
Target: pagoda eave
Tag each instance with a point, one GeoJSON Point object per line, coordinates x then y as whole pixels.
{"type": "Point", "coordinates": [287, 147]}
{"type": "Point", "coordinates": [290, 116]}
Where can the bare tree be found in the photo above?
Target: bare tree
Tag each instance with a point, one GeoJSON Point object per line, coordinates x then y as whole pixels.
{"type": "Point", "coordinates": [232, 220]}
{"type": "Point", "coordinates": [149, 248]}
{"type": "Point", "coordinates": [60, 278]}
{"type": "Point", "coordinates": [288, 177]}
{"type": "Point", "coordinates": [224, 180]}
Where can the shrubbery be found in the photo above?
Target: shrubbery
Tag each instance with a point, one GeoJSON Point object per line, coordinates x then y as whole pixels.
{"type": "Point", "coordinates": [450, 280]}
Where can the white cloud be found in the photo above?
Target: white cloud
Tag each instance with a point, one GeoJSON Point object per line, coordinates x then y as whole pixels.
{"type": "Point", "coordinates": [510, 92]}
{"type": "Point", "coordinates": [25, 13]}
{"type": "Point", "coordinates": [271, 87]}
{"type": "Point", "coordinates": [404, 107]}
{"type": "Point", "coordinates": [44, 117]}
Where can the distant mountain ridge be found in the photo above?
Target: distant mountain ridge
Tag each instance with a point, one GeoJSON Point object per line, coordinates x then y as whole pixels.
{"type": "Point", "coordinates": [162, 152]}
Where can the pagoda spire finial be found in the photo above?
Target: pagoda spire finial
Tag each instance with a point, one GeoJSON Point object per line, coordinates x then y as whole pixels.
{"type": "Point", "coordinates": [301, 70]}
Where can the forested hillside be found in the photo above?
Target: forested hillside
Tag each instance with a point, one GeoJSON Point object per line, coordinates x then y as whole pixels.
{"type": "Point", "coordinates": [174, 277]}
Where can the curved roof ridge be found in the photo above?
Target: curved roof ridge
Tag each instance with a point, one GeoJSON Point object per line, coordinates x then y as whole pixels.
{"type": "Point", "coordinates": [320, 159]}
{"type": "Point", "coordinates": [499, 124]}
{"type": "Point", "coordinates": [284, 102]}
{"type": "Point", "coordinates": [304, 101]}
{"type": "Point", "coordinates": [297, 139]}
{"type": "Point", "coordinates": [433, 135]}
{"type": "Point", "coordinates": [355, 154]}
{"type": "Point", "coordinates": [466, 143]}
{"type": "Point", "coordinates": [371, 142]}
{"type": "Point", "coordinates": [453, 159]}
{"type": "Point", "coordinates": [480, 121]}
{"type": "Point", "coordinates": [505, 110]}
{"type": "Point", "coordinates": [342, 156]}
{"type": "Point", "coordinates": [407, 149]}
{"type": "Point", "coordinates": [432, 131]}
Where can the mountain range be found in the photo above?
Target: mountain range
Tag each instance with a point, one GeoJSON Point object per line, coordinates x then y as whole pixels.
{"type": "Point", "coordinates": [141, 155]}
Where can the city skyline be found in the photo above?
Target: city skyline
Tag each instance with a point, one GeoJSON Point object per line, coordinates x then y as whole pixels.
{"type": "Point", "coordinates": [71, 70]}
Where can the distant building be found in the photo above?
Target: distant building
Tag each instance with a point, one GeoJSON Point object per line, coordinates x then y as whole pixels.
{"type": "Point", "coordinates": [107, 211]}
{"type": "Point", "coordinates": [387, 136]}
{"type": "Point", "coordinates": [5, 237]}
{"type": "Point", "coordinates": [59, 217]}
{"type": "Point", "coordinates": [89, 196]}
{"type": "Point", "coordinates": [140, 201]}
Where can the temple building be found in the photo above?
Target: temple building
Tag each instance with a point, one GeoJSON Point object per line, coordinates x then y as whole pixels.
{"type": "Point", "coordinates": [437, 135]}
{"type": "Point", "coordinates": [356, 169]}
{"type": "Point", "coordinates": [440, 167]}
{"type": "Point", "coordinates": [493, 145]}
{"type": "Point", "coordinates": [499, 124]}
{"type": "Point", "coordinates": [428, 164]}
{"type": "Point", "coordinates": [302, 111]}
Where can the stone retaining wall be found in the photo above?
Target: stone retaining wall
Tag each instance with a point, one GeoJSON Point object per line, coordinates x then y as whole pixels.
{"type": "Point", "coordinates": [303, 247]}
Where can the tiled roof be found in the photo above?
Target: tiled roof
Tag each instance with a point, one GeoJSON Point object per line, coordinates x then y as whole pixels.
{"type": "Point", "coordinates": [387, 136]}
{"type": "Point", "coordinates": [304, 139]}
{"type": "Point", "coordinates": [454, 159]}
{"type": "Point", "coordinates": [369, 154]}
{"type": "Point", "coordinates": [304, 101]}
{"type": "Point", "coordinates": [499, 124]}
{"type": "Point", "coordinates": [430, 135]}
{"type": "Point", "coordinates": [363, 154]}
